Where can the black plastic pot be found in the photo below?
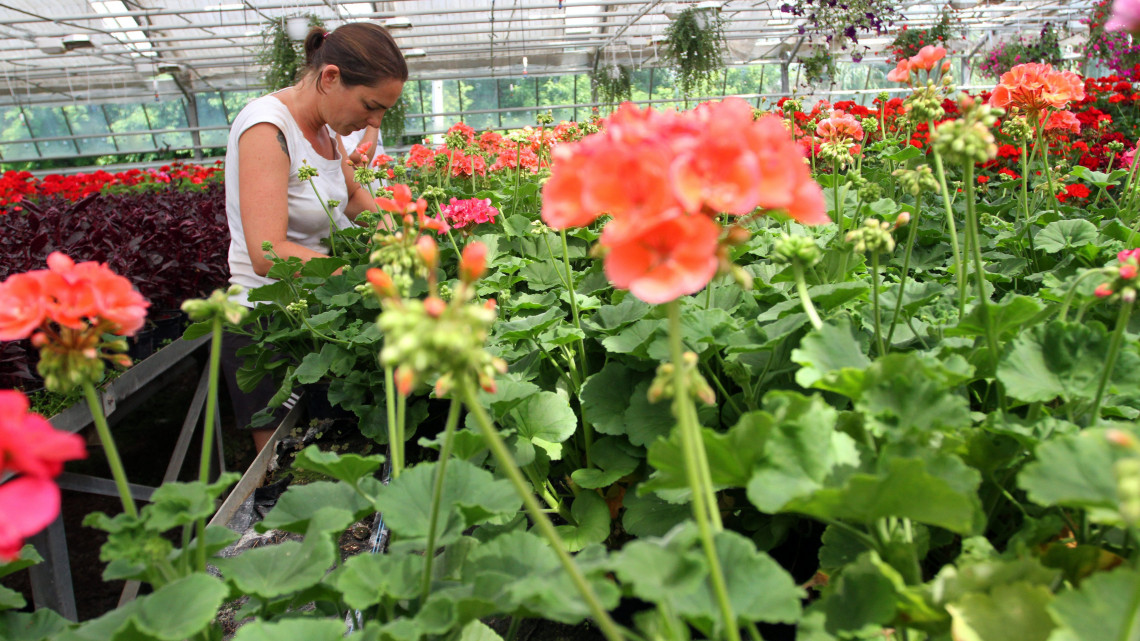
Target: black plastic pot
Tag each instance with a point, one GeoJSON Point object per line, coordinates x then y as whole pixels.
{"type": "Point", "coordinates": [141, 345]}
{"type": "Point", "coordinates": [318, 407]}
{"type": "Point", "coordinates": [168, 324]}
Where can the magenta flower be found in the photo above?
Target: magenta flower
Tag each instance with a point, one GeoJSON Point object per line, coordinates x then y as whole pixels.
{"type": "Point", "coordinates": [470, 211]}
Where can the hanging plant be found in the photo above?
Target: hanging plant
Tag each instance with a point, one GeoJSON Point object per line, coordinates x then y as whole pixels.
{"type": "Point", "coordinates": [844, 21]}
{"type": "Point", "coordinates": [694, 47]}
{"type": "Point", "coordinates": [817, 67]}
{"type": "Point", "coordinates": [909, 42]}
{"type": "Point", "coordinates": [1046, 47]}
{"type": "Point", "coordinates": [612, 84]}
{"type": "Point", "coordinates": [282, 56]}
{"type": "Point", "coordinates": [392, 125]}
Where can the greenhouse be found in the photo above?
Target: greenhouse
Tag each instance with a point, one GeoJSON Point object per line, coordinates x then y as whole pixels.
{"type": "Point", "coordinates": [569, 320]}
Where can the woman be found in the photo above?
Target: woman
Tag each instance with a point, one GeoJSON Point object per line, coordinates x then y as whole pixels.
{"type": "Point", "coordinates": [351, 77]}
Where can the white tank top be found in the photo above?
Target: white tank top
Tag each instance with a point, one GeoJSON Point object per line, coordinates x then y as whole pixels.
{"type": "Point", "coordinates": [308, 223]}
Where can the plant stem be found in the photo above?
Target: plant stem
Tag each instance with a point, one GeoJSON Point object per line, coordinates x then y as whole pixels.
{"type": "Point", "coordinates": [1025, 161]}
{"type": "Point", "coordinates": [208, 430]}
{"type": "Point", "coordinates": [573, 303]}
{"type": "Point", "coordinates": [980, 271]}
{"type": "Point", "coordinates": [1068, 301]}
{"type": "Point", "coordinates": [805, 299]}
{"type": "Point", "coordinates": [546, 528]}
{"type": "Point", "coordinates": [437, 495]}
{"type": "Point", "coordinates": [1110, 362]}
{"type": "Point", "coordinates": [953, 230]}
{"type": "Point", "coordinates": [905, 273]}
{"type": "Point", "coordinates": [690, 436]}
{"type": "Point", "coordinates": [113, 460]}
{"type": "Point", "coordinates": [332, 222]}
{"type": "Point", "coordinates": [875, 303]}
{"type": "Point", "coordinates": [390, 405]}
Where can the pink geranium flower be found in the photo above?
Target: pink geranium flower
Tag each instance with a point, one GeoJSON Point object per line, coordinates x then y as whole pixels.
{"type": "Point", "coordinates": [469, 211]}
{"type": "Point", "coordinates": [1125, 16]}
{"type": "Point", "coordinates": [27, 505]}
{"type": "Point", "coordinates": [29, 444]}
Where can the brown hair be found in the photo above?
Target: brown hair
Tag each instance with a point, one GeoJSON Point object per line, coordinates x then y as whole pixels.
{"type": "Point", "coordinates": [365, 53]}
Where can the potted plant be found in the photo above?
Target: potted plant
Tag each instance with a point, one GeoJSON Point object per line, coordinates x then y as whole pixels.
{"type": "Point", "coordinates": [817, 67]}
{"type": "Point", "coordinates": [909, 42]}
{"type": "Point", "coordinates": [282, 53]}
{"type": "Point", "coordinates": [844, 21]}
{"type": "Point", "coordinates": [612, 84]}
{"type": "Point", "coordinates": [694, 46]}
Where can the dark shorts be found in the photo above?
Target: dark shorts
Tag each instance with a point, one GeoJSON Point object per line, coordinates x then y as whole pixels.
{"type": "Point", "coordinates": [246, 404]}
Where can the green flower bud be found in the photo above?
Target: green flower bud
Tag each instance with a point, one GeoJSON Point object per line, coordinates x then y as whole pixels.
{"type": "Point", "coordinates": [306, 171]}
{"type": "Point", "coordinates": [874, 237]}
{"type": "Point", "coordinates": [796, 248]}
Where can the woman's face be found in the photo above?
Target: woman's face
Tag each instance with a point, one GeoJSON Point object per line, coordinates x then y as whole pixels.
{"type": "Point", "coordinates": [354, 108]}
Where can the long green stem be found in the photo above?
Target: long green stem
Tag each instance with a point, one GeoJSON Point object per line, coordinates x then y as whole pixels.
{"type": "Point", "coordinates": [905, 273]}
{"type": "Point", "coordinates": [208, 429]}
{"type": "Point", "coordinates": [875, 303]}
{"type": "Point", "coordinates": [1025, 162]}
{"type": "Point", "coordinates": [332, 223]}
{"type": "Point", "coordinates": [805, 299]}
{"type": "Point", "coordinates": [573, 301]}
{"type": "Point", "coordinates": [394, 445]}
{"type": "Point", "coordinates": [437, 495]}
{"type": "Point", "coordinates": [507, 464]}
{"type": "Point", "coordinates": [1068, 301]}
{"type": "Point", "coordinates": [113, 460]}
{"type": "Point", "coordinates": [958, 267]}
{"type": "Point", "coordinates": [980, 272]}
{"type": "Point", "coordinates": [690, 435]}
{"type": "Point", "coordinates": [1110, 363]}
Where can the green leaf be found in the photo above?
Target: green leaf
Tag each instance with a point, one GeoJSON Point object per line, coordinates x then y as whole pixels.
{"type": "Point", "coordinates": [731, 456]}
{"type": "Point", "coordinates": [182, 608]}
{"type": "Point", "coordinates": [659, 570]}
{"type": "Point", "coordinates": [1075, 471]}
{"type": "Point", "coordinates": [322, 266]}
{"type": "Point", "coordinates": [546, 420]}
{"type": "Point", "coordinates": [632, 339]}
{"type": "Point", "coordinates": [1013, 611]}
{"type": "Point", "coordinates": [906, 153]}
{"type": "Point", "coordinates": [862, 600]}
{"type": "Point", "coordinates": [1064, 360]}
{"type": "Point", "coordinates": [592, 514]}
{"type": "Point", "coordinates": [11, 599]}
{"type": "Point", "coordinates": [174, 504]}
{"type": "Point", "coordinates": [1010, 317]}
{"type": "Point", "coordinates": [758, 588]}
{"type": "Point", "coordinates": [314, 366]}
{"type": "Point", "coordinates": [606, 395]}
{"type": "Point", "coordinates": [902, 392]}
{"type": "Point", "coordinates": [308, 629]}
{"type": "Point", "coordinates": [541, 276]}
{"type": "Point", "coordinates": [646, 421]}
{"type": "Point", "coordinates": [334, 506]}
{"type": "Point", "coordinates": [276, 570]}
{"type": "Point", "coordinates": [22, 626]}
{"type": "Point", "coordinates": [470, 496]}
{"type": "Point", "coordinates": [525, 327]}
{"type": "Point", "coordinates": [612, 317]}
{"type": "Point", "coordinates": [1107, 606]}
{"type": "Point", "coordinates": [648, 515]}
{"type": "Point", "coordinates": [1065, 234]}
{"type": "Point", "coordinates": [285, 268]}
{"type": "Point", "coordinates": [349, 468]}
{"type": "Point", "coordinates": [367, 579]}
{"type": "Point", "coordinates": [827, 351]}
{"type": "Point", "coordinates": [277, 292]}
{"type": "Point", "coordinates": [611, 463]}
{"type": "Point", "coordinates": [25, 559]}
{"type": "Point", "coordinates": [478, 631]}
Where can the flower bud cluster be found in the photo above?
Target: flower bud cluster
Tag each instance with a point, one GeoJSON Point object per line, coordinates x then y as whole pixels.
{"type": "Point", "coordinates": [917, 180]}
{"type": "Point", "coordinates": [790, 249]}
{"type": "Point", "coordinates": [76, 357]}
{"type": "Point", "coordinates": [1017, 126]}
{"type": "Point", "coordinates": [1123, 283]}
{"type": "Point", "coordinates": [837, 152]}
{"type": "Point", "coordinates": [218, 304]}
{"type": "Point", "coordinates": [870, 125]}
{"type": "Point", "coordinates": [306, 171]}
{"type": "Point", "coordinates": [365, 175]}
{"type": "Point", "coordinates": [397, 256]}
{"type": "Point", "coordinates": [545, 118]}
{"type": "Point", "coordinates": [664, 384]}
{"type": "Point", "coordinates": [925, 104]}
{"type": "Point", "coordinates": [1115, 146]}
{"type": "Point", "coordinates": [431, 338]}
{"type": "Point", "coordinates": [968, 139]}
{"type": "Point", "coordinates": [869, 192]}
{"type": "Point", "coordinates": [873, 237]}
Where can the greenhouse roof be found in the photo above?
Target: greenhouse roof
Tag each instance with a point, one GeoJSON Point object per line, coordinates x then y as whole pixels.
{"type": "Point", "coordinates": [62, 51]}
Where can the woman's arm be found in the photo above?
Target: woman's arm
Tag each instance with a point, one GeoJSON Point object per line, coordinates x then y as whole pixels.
{"type": "Point", "coordinates": [263, 177]}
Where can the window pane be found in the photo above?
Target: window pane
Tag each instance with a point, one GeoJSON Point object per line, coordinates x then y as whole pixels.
{"type": "Point", "coordinates": [47, 122]}
{"type": "Point", "coordinates": [12, 127]}
{"type": "Point", "coordinates": [129, 117]}
{"type": "Point", "coordinates": [169, 114]}
{"type": "Point", "coordinates": [480, 95]}
{"type": "Point", "coordinates": [235, 100]}
{"type": "Point", "coordinates": [211, 114]}
{"type": "Point", "coordinates": [557, 90]}
{"type": "Point", "coordinates": [517, 92]}
{"type": "Point", "coordinates": [88, 119]}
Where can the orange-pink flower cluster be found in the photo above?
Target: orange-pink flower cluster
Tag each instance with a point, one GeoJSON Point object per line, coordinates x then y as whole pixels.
{"type": "Point", "coordinates": [33, 449]}
{"type": "Point", "coordinates": [924, 60]}
{"type": "Point", "coordinates": [73, 295]}
{"type": "Point", "coordinates": [1036, 87]}
{"type": "Point", "coordinates": [663, 176]}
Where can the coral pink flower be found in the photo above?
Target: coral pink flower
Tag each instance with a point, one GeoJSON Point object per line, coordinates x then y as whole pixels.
{"type": "Point", "coordinates": [1034, 87]}
{"type": "Point", "coordinates": [901, 72]}
{"type": "Point", "coordinates": [838, 127]}
{"type": "Point", "coordinates": [1125, 16]}
{"type": "Point", "coordinates": [473, 262]}
{"type": "Point", "coordinates": [23, 306]}
{"type": "Point", "coordinates": [27, 505]}
{"type": "Point", "coordinates": [1063, 121]}
{"type": "Point", "coordinates": [469, 211]}
{"type": "Point", "coordinates": [926, 58]}
{"type": "Point", "coordinates": [668, 260]}
{"type": "Point", "coordinates": [28, 442]}
{"type": "Point", "coordinates": [381, 159]}
{"type": "Point", "coordinates": [114, 298]}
